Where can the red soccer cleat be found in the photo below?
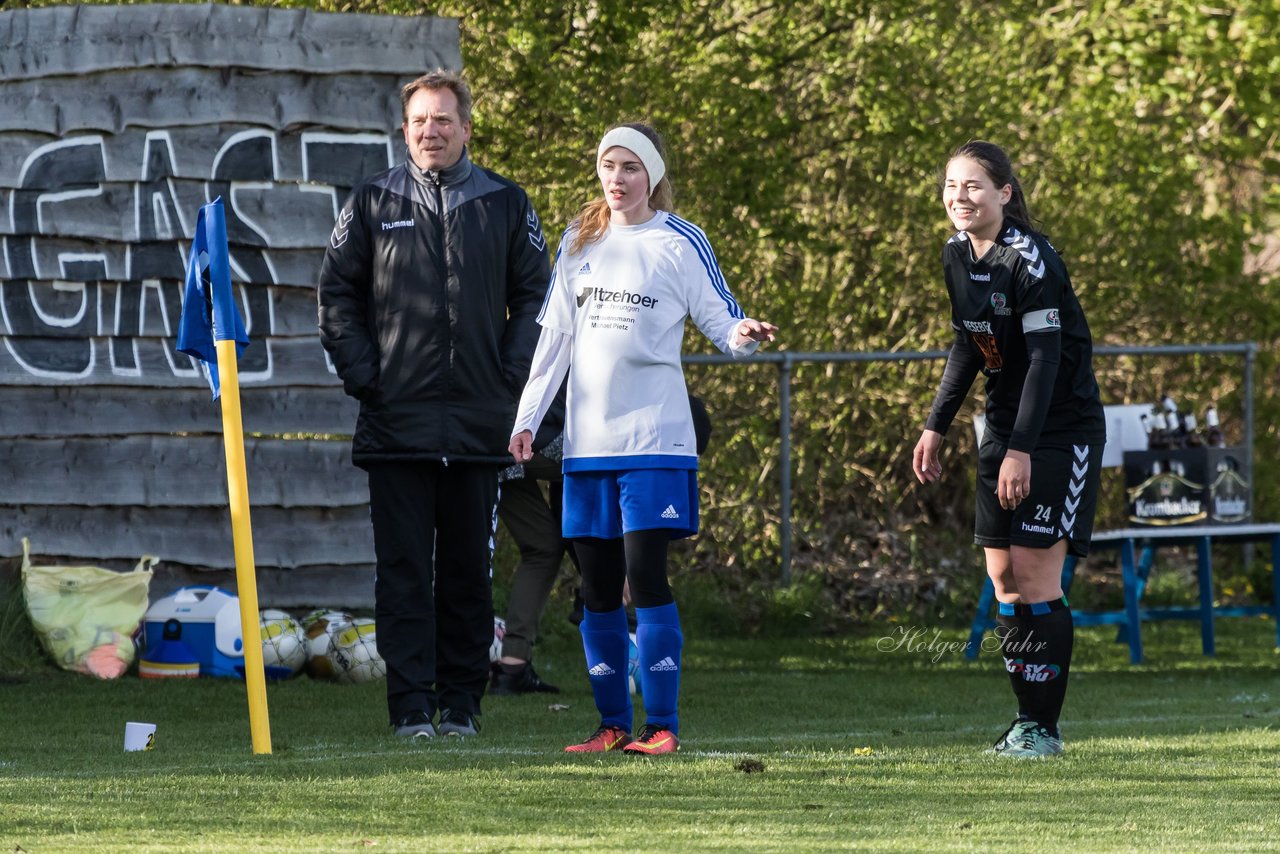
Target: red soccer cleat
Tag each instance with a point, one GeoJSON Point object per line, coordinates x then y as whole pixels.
{"type": "Point", "coordinates": [653, 741]}
{"type": "Point", "coordinates": [603, 740]}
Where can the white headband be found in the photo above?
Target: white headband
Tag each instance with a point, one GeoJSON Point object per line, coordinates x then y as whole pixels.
{"type": "Point", "coordinates": [639, 144]}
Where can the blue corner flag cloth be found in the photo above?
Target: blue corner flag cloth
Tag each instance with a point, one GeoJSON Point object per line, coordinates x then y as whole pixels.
{"type": "Point", "coordinates": [209, 310]}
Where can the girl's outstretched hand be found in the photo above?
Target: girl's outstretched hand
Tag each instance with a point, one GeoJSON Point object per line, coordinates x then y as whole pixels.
{"type": "Point", "coordinates": [755, 330]}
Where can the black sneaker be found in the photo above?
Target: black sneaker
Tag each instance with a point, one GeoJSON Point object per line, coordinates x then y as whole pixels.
{"type": "Point", "coordinates": [524, 681]}
{"type": "Point", "coordinates": [458, 723]}
{"type": "Point", "coordinates": [416, 724]}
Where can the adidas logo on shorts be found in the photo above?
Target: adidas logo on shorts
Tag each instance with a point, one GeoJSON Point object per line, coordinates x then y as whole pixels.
{"type": "Point", "coordinates": [667, 663]}
{"type": "Point", "coordinates": [670, 512]}
{"type": "Point", "coordinates": [601, 669]}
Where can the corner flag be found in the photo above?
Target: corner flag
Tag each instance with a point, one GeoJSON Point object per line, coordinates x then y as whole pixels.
{"type": "Point", "coordinates": [209, 310]}
{"type": "Point", "coordinates": [211, 331]}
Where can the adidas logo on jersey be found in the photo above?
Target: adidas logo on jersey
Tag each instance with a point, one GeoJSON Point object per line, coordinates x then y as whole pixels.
{"type": "Point", "coordinates": [670, 512]}
{"type": "Point", "coordinates": [601, 669]}
{"type": "Point", "coordinates": [585, 269]}
{"type": "Point", "coordinates": [667, 663]}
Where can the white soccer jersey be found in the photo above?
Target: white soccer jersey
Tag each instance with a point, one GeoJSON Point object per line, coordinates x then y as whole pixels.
{"type": "Point", "coordinates": [614, 319]}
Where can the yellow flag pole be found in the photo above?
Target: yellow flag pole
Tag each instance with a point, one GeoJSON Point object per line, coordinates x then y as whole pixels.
{"type": "Point", "coordinates": [242, 535]}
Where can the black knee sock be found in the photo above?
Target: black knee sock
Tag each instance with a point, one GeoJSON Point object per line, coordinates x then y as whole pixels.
{"type": "Point", "coordinates": [1036, 643]}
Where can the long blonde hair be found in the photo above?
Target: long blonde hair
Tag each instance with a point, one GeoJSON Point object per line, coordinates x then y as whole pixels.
{"type": "Point", "coordinates": [593, 218]}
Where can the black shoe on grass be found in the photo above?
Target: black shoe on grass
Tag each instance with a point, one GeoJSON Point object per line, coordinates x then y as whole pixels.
{"type": "Point", "coordinates": [458, 723]}
{"type": "Point", "coordinates": [416, 724]}
{"type": "Point", "coordinates": [526, 680]}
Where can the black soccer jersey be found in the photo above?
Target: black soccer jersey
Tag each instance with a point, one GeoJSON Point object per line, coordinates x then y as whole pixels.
{"type": "Point", "coordinates": [1000, 305]}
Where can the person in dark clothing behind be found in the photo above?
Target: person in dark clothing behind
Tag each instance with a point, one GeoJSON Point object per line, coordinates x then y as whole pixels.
{"type": "Point", "coordinates": [428, 297]}
{"type": "Point", "coordinates": [532, 517]}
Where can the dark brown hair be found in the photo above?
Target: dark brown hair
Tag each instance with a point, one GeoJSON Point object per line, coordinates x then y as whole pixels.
{"type": "Point", "coordinates": [999, 168]}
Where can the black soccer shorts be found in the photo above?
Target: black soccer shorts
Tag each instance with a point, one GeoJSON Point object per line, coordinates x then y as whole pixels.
{"type": "Point", "coordinates": [1061, 504]}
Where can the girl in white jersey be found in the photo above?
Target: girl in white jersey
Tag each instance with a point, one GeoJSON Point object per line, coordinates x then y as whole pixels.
{"type": "Point", "coordinates": [627, 275]}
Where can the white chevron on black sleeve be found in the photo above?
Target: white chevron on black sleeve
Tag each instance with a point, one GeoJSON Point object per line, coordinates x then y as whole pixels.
{"type": "Point", "coordinates": [1079, 470]}
{"type": "Point", "coordinates": [1027, 249]}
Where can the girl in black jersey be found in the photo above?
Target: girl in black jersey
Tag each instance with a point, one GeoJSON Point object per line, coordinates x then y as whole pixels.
{"type": "Point", "coordinates": [1018, 322]}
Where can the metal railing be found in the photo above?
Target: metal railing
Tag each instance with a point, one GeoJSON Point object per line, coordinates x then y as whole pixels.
{"type": "Point", "coordinates": [786, 360]}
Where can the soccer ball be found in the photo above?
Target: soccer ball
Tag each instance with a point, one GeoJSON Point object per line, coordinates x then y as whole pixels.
{"type": "Point", "coordinates": [633, 663]}
{"type": "Point", "coordinates": [353, 653]}
{"type": "Point", "coordinates": [284, 644]}
{"type": "Point", "coordinates": [320, 627]}
{"type": "Point", "coordinates": [499, 632]}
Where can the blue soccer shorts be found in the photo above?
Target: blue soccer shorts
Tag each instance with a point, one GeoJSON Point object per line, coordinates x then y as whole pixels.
{"type": "Point", "coordinates": [608, 504]}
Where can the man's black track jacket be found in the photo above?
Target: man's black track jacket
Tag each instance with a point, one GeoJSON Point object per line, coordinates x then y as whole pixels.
{"type": "Point", "coordinates": [428, 296]}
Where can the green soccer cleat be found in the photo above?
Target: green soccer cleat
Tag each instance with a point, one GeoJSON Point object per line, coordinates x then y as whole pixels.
{"type": "Point", "coordinates": [1014, 731]}
{"type": "Point", "coordinates": [1032, 742]}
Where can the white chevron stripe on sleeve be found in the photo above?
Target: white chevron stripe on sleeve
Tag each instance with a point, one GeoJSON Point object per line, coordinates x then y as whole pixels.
{"type": "Point", "coordinates": [1027, 249]}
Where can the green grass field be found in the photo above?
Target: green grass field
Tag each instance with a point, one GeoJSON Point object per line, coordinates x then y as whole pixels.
{"type": "Point", "coordinates": [795, 745]}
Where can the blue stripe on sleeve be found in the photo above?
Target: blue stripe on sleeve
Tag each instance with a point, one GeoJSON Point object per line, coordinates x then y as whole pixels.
{"type": "Point", "coordinates": [698, 239]}
{"type": "Point", "coordinates": [551, 283]}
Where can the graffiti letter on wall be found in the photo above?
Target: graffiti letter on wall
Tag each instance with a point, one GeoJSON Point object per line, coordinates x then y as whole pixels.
{"type": "Point", "coordinates": [157, 214]}
{"type": "Point", "coordinates": [77, 163]}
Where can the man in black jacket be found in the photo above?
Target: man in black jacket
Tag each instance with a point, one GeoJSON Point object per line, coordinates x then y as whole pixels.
{"type": "Point", "coordinates": [428, 295]}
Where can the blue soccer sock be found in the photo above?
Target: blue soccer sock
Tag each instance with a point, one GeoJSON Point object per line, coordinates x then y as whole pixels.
{"type": "Point", "coordinates": [659, 638]}
{"type": "Point", "coordinates": [605, 642]}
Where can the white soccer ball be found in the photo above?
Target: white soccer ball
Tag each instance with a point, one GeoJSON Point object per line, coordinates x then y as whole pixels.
{"type": "Point", "coordinates": [354, 653]}
{"type": "Point", "coordinates": [320, 627]}
{"type": "Point", "coordinates": [499, 632]}
{"type": "Point", "coordinates": [284, 644]}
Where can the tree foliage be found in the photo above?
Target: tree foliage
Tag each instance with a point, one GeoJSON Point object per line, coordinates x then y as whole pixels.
{"type": "Point", "coordinates": [808, 137]}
